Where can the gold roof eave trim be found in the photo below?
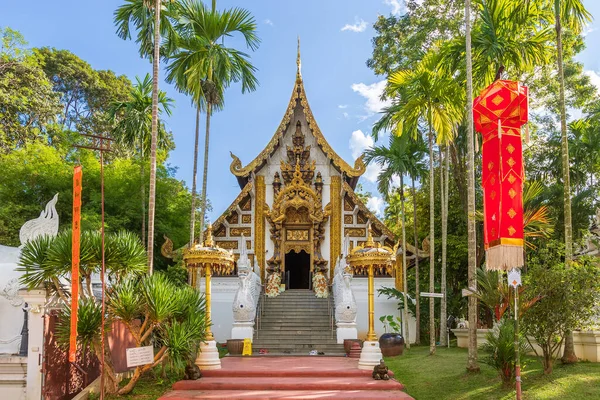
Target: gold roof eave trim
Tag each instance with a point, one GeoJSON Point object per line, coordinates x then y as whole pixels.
{"type": "Point", "coordinates": [376, 222]}
{"type": "Point", "coordinates": [238, 170]}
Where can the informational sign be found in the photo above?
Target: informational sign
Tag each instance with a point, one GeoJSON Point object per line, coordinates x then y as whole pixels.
{"type": "Point", "coordinates": [468, 292]}
{"type": "Point", "coordinates": [139, 356]}
{"type": "Point", "coordinates": [76, 232]}
{"type": "Point", "coordinates": [429, 294]}
{"type": "Point", "coordinates": [514, 277]}
{"type": "Point", "coordinates": [247, 351]}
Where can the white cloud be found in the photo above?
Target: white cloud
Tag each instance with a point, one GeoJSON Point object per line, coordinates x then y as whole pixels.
{"type": "Point", "coordinates": [397, 6]}
{"type": "Point", "coordinates": [346, 115]}
{"type": "Point", "coordinates": [594, 78]}
{"type": "Point", "coordinates": [359, 26]}
{"type": "Point", "coordinates": [373, 95]}
{"type": "Point", "coordinates": [359, 142]}
{"type": "Point", "coordinates": [268, 22]}
{"type": "Point", "coordinates": [376, 204]}
{"type": "Point", "coordinates": [343, 106]}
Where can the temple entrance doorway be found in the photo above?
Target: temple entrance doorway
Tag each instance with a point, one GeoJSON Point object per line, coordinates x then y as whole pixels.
{"type": "Point", "coordinates": [297, 270]}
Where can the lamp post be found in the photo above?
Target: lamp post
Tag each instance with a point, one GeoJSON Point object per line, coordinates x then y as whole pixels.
{"type": "Point", "coordinates": [371, 256]}
{"type": "Point", "coordinates": [208, 258]}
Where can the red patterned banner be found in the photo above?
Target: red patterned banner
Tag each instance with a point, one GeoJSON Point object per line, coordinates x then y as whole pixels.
{"type": "Point", "coordinates": [77, 175]}
{"type": "Point", "coordinates": [499, 112]}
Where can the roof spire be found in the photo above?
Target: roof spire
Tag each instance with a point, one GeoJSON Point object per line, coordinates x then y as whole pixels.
{"type": "Point", "coordinates": [298, 61]}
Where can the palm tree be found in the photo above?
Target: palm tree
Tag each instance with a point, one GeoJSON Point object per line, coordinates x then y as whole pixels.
{"type": "Point", "coordinates": [573, 15]}
{"type": "Point", "coordinates": [444, 166]}
{"type": "Point", "coordinates": [425, 94]}
{"type": "Point", "coordinates": [472, 364]}
{"type": "Point", "coordinates": [132, 127]}
{"type": "Point", "coordinates": [203, 67]}
{"type": "Point", "coordinates": [394, 160]}
{"type": "Point", "coordinates": [507, 37]}
{"type": "Point", "coordinates": [140, 13]}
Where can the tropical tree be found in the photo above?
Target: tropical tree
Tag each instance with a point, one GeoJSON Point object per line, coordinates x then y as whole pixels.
{"type": "Point", "coordinates": [140, 13]}
{"type": "Point", "coordinates": [133, 127]}
{"type": "Point", "coordinates": [572, 15]}
{"type": "Point", "coordinates": [506, 37]}
{"type": "Point", "coordinates": [45, 261]}
{"type": "Point", "coordinates": [203, 67]}
{"type": "Point", "coordinates": [394, 161]}
{"type": "Point", "coordinates": [424, 95]}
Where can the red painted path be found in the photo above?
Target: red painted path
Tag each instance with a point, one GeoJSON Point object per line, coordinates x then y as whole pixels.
{"type": "Point", "coordinates": [287, 378]}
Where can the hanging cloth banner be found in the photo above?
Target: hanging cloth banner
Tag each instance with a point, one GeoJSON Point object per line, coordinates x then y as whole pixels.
{"type": "Point", "coordinates": [76, 233]}
{"type": "Point", "coordinates": [499, 112]}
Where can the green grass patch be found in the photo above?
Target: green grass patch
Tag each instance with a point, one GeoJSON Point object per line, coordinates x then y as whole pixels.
{"type": "Point", "coordinates": [150, 387]}
{"type": "Point", "coordinates": [444, 376]}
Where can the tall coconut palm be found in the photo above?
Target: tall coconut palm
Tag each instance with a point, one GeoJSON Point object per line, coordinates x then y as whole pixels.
{"type": "Point", "coordinates": [572, 15]}
{"type": "Point", "coordinates": [133, 127]}
{"type": "Point", "coordinates": [472, 364]}
{"type": "Point", "coordinates": [506, 37]}
{"type": "Point", "coordinates": [204, 67]}
{"type": "Point", "coordinates": [145, 15]}
{"type": "Point", "coordinates": [444, 165]}
{"type": "Point", "coordinates": [394, 161]}
{"type": "Point", "coordinates": [425, 94]}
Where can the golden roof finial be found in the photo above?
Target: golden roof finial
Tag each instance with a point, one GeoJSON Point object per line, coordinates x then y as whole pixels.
{"type": "Point", "coordinates": [298, 61]}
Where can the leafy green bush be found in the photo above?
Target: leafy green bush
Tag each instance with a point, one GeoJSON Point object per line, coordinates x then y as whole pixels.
{"type": "Point", "coordinates": [501, 346]}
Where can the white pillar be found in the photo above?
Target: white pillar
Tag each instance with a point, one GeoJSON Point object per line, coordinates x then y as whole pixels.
{"type": "Point", "coordinates": [370, 355]}
{"type": "Point", "coordinates": [35, 299]}
{"type": "Point", "coordinates": [208, 356]}
{"type": "Point", "coordinates": [242, 330]}
{"type": "Point", "coordinates": [346, 330]}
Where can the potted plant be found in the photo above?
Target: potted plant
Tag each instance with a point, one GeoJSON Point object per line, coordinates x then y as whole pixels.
{"type": "Point", "coordinates": [391, 343]}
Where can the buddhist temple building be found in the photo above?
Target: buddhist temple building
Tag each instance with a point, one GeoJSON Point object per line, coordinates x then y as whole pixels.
{"type": "Point", "coordinates": [295, 211]}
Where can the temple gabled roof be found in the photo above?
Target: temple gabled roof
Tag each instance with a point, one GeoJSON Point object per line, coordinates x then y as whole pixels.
{"type": "Point", "coordinates": [351, 173]}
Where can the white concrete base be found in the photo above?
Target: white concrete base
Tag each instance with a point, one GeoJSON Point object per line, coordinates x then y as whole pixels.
{"type": "Point", "coordinates": [346, 330]}
{"type": "Point", "coordinates": [242, 330]}
{"type": "Point", "coordinates": [208, 357]}
{"type": "Point", "coordinates": [370, 355]}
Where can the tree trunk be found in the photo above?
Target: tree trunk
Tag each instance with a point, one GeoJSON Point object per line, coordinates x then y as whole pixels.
{"type": "Point", "coordinates": [417, 289]}
{"type": "Point", "coordinates": [472, 364]}
{"type": "Point", "coordinates": [205, 172]}
{"type": "Point", "coordinates": [569, 356]}
{"type": "Point", "coordinates": [404, 277]}
{"type": "Point", "coordinates": [151, 200]}
{"type": "Point", "coordinates": [444, 187]}
{"type": "Point", "coordinates": [431, 242]}
{"type": "Point", "coordinates": [143, 190]}
{"type": "Point", "coordinates": [194, 173]}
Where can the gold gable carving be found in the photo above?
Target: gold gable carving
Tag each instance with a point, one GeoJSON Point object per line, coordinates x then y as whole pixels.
{"type": "Point", "coordinates": [298, 94]}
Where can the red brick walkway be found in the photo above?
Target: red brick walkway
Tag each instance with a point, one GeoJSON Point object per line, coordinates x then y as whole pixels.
{"type": "Point", "coordinates": [287, 378]}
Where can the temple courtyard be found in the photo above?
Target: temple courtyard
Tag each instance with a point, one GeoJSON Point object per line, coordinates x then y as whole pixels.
{"type": "Point", "coordinates": [422, 376]}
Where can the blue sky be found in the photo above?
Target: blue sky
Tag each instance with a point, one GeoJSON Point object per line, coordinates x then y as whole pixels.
{"type": "Point", "coordinates": [335, 43]}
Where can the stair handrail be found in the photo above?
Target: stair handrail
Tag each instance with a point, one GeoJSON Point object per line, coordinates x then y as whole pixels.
{"type": "Point", "coordinates": [259, 310]}
{"type": "Point", "coordinates": [331, 308]}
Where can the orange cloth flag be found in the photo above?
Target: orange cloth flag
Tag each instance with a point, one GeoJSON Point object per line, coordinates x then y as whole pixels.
{"type": "Point", "coordinates": [499, 112]}
{"type": "Point", "coordinates": [77, 175]}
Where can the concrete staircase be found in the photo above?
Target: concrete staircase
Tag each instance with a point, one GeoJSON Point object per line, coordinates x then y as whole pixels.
{"type": "Point", "coordinates": [296, 322]}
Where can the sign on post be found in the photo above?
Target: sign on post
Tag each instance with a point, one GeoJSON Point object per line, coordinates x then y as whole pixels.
{"type": "Point", "coordinates": [429, 294]}
{"type": "Point", "coordinates": [139, 356]}
{"type": "Point", "coordinates": [247, 351]}
{"type": "Point", "coordinates": [468, 292]}
{"type": "Point", "coordinates": [514, 277]}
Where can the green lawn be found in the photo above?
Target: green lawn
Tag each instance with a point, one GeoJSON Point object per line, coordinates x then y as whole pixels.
{"type": "Point", "coordinates": [444, 376]}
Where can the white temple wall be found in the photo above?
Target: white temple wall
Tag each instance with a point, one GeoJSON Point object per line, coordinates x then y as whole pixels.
{"type": "Point", "coordinates": [383, 306]}
{"type": "Point", "coordinates": [11, 313]}
{"type": "Point", "coordinates": [222, 293]}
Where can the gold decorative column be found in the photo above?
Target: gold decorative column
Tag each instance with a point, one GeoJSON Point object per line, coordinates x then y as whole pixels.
{"type": "Point", "coordinates": [399, 274]}
{"type": "Point", "coordinates": [335, 233]}
{"type": "Point", "coordinates": [207, 258]}
{"type": "Point", "coordinates": [371, 256]}
{"type": "Point", "coordinates": [259, 223]}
